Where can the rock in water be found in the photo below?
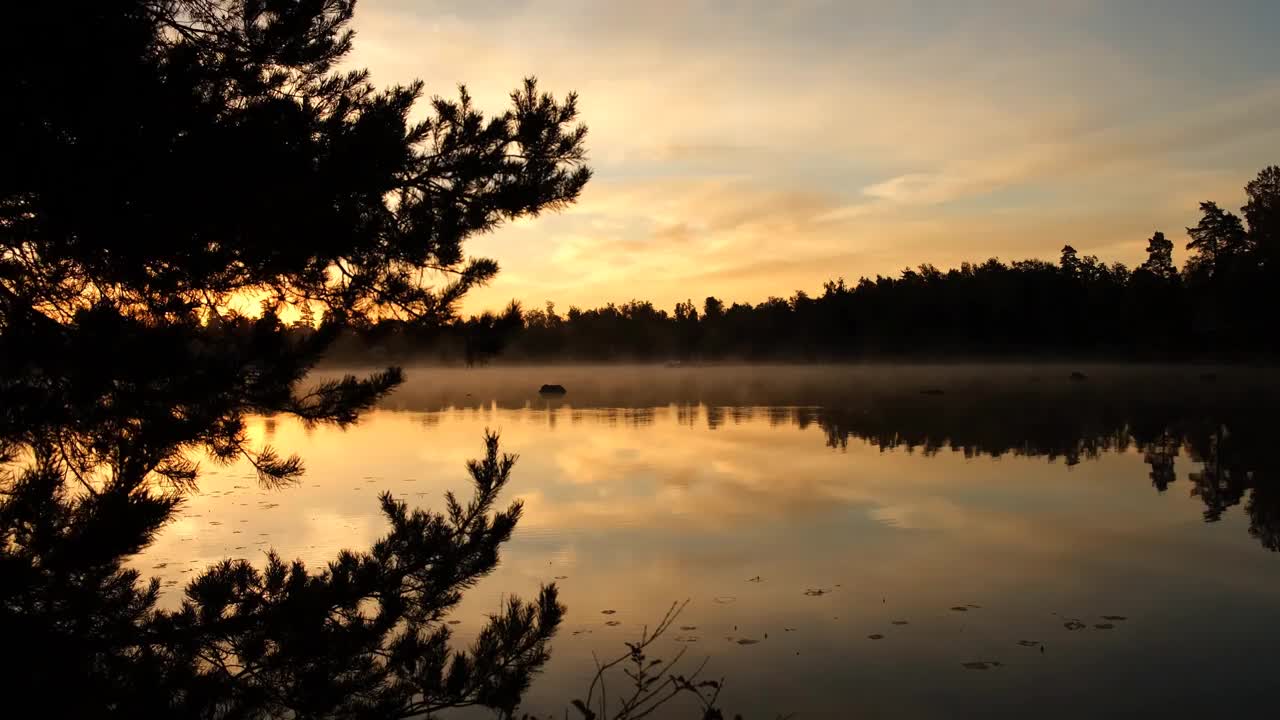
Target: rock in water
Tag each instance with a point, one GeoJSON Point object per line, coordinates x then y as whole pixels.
{"type": "Point", "coordinates": [552, 390]}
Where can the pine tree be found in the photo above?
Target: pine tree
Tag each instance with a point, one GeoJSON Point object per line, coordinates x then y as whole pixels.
{"type": "Point", "coordinates": [1262, 212]}
{"type": "Point", "coordinates": [165, 160]}
{"type": "Point", "coordinates": [1218, 241]}
{"type": "Point", "coordinates": [1159, 260]}
{"type": "Point", "coordinates": [1070, 262]}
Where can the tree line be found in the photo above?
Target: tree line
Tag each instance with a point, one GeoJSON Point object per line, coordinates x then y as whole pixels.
{"type": "Point", "coordinates": [1219, 305]}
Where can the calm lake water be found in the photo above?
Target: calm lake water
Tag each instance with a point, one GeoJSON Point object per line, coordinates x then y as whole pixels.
{"type": "Point", "coordinates": [1109, 542]}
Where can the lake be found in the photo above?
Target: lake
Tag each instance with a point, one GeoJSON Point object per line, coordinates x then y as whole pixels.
{"type": "Point", "coordinates": [861, 541]}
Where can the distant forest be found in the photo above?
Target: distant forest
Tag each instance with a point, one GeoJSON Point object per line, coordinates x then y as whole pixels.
{"type": "Point", "coordinates": [1222, 304]}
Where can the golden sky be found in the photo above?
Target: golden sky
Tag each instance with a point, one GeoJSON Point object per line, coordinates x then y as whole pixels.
{"type": "Point", "coordinates": [750, 149]}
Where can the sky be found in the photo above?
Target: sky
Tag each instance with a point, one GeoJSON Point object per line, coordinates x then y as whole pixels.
{"type": "Point", "coordinates": [752, 149]}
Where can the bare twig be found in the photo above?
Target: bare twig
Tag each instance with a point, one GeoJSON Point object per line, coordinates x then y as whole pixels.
{"type": "Point", "coordinates": [655, 682]}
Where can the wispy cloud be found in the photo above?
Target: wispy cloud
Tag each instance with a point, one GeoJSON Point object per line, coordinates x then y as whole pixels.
{"type": "Point", "coordinates": [852, 138]}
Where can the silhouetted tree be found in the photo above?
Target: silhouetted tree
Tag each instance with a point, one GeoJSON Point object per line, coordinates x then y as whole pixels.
{"type": "Point", "coordinates": [686, 320]}
{"type": "Point", "coordinates": [1070, 262]}
{"type": "Point", "coordinates": [363, 638]}
{"type": "Point", "coordinates": [485, 335]}
{"type": "Point", "coordinates": [1217, 242]}
{"type": "Point", "coordinates": [166, 160]}
{"type": "Point", "coordinates": [1159, 260]}
{"type": "Point", "coordinates": [1262, 212]}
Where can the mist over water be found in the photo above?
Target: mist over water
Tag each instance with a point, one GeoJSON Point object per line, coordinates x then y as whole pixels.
{"type": "Point", "coordinates": [1024, 543]}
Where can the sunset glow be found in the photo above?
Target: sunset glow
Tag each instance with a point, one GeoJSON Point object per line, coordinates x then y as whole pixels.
{"type": "Point", "coordinates": [753, 149]}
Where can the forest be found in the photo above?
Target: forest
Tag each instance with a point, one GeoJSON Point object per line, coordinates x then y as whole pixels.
{"type": "Point", "coordinates": [1218, 306]}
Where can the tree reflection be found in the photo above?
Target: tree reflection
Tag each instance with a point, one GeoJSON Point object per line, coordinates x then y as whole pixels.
{"type": "Point", "coordinates": [1230, 446]}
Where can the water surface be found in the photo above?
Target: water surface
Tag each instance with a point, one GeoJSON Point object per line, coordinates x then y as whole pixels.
{"type": "Point", "coordinates": [1023, 544]}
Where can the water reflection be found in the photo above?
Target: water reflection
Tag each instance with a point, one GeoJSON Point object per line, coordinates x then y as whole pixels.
{"type": "Point", "coordinates": [851, 545]}
{"type": "Point", "coordinates": [1230, 450]}
{"type": "Point", "coordinates": [1223, 426]}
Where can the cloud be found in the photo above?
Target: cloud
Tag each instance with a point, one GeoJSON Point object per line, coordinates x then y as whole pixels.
{"type": "Point", "coordinates": [879, 134]}
{"type": "Point", "coordinates": [918, 188]}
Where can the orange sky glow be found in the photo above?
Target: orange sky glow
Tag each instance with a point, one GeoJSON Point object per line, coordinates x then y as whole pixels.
{"type": "Point", "coordinates": [752, 149]}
